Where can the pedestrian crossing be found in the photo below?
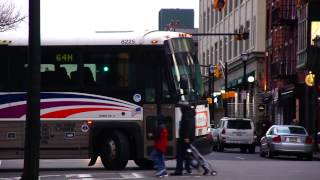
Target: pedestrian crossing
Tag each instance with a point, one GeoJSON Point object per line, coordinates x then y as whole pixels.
{"type": "Point", "coordinates": [87, 176]}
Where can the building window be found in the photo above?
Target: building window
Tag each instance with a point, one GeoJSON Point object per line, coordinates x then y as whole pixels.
{"type": "Point", "coordinates": [241, 41]}
{"type": "Point", "coordinates": [204, 61]}
{"type": "Point", "coordinates": [253, 31]}
{"type": "Point", "coordinates": [235, 46]}
{"type": "Point", "coordinates": [216, 17]}
{"type": "Point", "coordinates": [247, 28]}
{"type": "Point", "coordinates": [212, 16]}
{"type": "Point", "coordinates": [208, 58]}
{"type": "Point", "coordinates": [230, 2]}
{"type": "Point", "coordinates": [211, 55]}
{"type": "Point", "coordinates": [230, 48]}
{"type": "Point", "coordinates": [204, 22]}
{"type": "Point", "coordinates": [208, 19]}
{"type": "Point", "coordinates": [216, 53]}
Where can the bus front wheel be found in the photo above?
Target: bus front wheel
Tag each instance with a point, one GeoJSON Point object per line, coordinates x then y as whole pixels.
{"type": "Point", "coordinates": [115, 151]}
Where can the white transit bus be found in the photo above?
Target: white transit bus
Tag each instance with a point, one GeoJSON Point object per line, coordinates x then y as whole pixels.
{"type": "Point", "coordinates": [101, 94]}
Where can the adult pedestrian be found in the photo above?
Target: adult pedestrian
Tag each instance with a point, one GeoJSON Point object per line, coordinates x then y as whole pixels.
{"type": "Point", "coordinates": [186, 137]}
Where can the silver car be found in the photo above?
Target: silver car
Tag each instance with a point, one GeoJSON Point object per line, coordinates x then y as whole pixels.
{"type": "Point", "coordinates": [286, 140]}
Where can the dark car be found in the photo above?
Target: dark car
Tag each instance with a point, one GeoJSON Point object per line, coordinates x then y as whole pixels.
{"type": "Point", "coordinates": [286, 140]}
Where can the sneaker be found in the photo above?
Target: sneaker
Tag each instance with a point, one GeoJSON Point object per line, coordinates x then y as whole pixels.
{"type": "Point", "coordinates": [162, 173]}
{"type": "Point", "coordinates": [176, 173]}
{"type": "Point", "coordinates": [188, 171]}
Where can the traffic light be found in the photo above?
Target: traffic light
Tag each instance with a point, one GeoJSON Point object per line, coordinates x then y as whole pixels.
{"type": "Point", "coordinates": [216, 71]}
{"type": "Point", "coordinates": [242, 36]}
{"type": "Point", "coordinates": [219, 4]}
{"type": "Point", "coordinates": [105, 68]}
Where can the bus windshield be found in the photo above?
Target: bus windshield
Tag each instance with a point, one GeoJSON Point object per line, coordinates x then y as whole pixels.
{"type": "Point", "coordinates": [184, 68]}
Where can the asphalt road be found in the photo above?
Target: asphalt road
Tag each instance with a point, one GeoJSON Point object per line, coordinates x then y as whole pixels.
{"type": "Point", "coordinates": [230, 164]}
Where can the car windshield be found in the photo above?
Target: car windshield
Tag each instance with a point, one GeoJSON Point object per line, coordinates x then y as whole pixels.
{"type": "Point", "coordinates": [290, 130]}
{"type": "Point", "coordinates": [239, 124]}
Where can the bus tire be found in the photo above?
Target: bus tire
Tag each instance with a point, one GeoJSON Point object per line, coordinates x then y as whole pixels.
{"type": "Point", "coordinates": [115, 151]}
{"type": "Point", "coordinates": [144, 163]}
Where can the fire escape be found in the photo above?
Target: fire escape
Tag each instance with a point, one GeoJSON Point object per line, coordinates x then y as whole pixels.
{"type": "Point", "coordinates": [284, 21]}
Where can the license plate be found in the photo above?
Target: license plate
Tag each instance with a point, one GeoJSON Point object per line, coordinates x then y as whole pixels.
{"type": "Point", "coordinates": [239, 134]}
{"type": "Point", "coordinates": [293, 139]}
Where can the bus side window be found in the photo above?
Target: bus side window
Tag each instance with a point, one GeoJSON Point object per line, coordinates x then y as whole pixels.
{"type": "Point", "coordinates": [150, 94]}
{"type": "Point", "coordinates": [165, 90]}
{"type": "Point", "coordinates": [88, 77]}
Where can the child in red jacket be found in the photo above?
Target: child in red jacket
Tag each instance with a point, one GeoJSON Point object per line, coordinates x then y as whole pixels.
{"type": "Point", "coordinates": [160, 147]}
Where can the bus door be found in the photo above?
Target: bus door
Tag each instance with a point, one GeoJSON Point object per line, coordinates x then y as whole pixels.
{"type": "Point", "coordinates": [160, 102]}
{"type": "Point", "coordinates": [150, 117]}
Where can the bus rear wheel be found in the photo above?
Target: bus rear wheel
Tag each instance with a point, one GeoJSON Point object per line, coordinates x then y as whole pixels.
{"type": "Point", "coordinates": [115, 151]}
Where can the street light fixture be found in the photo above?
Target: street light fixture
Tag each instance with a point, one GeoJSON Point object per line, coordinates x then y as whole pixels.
{"type": "Point", "coordinates": [250, 79]}
{"type": "Point", "coordinates": [244, 57]}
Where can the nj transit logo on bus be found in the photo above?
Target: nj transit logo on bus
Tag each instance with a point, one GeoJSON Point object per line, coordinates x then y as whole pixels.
{"type": "Point", "coordinates": [69, 105]}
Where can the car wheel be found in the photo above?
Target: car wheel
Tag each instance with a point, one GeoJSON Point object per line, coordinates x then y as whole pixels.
{"type": "Point", "coordinates": [214, 146]}
{"type": "Point", "coordinates": [309, 157]}
{"type": "Point", "coordinates": [269, 154]}
{"type": "Point", "coordinates": [220, 147]}
{"type": "Point", "coordinates": [252, 149]}
{"type": "Point", "coordinates": [261, 153]}
{"type": "Point", "coordinates": [115, 151]}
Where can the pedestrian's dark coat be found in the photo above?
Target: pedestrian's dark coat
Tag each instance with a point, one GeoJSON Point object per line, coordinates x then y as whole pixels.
{"type": "Point", "coordinates": [187, 123]}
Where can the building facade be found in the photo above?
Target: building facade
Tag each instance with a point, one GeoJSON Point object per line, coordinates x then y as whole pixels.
{"type": "Point", "coordinates": [292, 52]}
{"type": "Point", "coordinates": [281, 48]}
{"type": "Point", "coordinates": [170, 19]}
{"type": "Point", "coordinates": [227, 52]}
{"type": "Point", "coordinates": [308, 56]}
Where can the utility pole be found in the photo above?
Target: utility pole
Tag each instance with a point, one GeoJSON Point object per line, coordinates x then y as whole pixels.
{"type": "Point", "coordinates": [32, 125]}
{"type": "Point", "coordinates": [225, 101]}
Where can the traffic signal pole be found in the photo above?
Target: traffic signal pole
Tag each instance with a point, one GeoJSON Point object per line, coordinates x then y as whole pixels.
{"type": "Point", "coordinates": [239, 36]}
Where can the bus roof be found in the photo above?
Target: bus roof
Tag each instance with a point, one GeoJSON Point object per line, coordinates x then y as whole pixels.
{"type": "Point", "coordinates": [101, 38]}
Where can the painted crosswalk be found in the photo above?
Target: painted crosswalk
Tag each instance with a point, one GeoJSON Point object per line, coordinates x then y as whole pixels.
{"type": "Point", "coordinates": [95, 176]}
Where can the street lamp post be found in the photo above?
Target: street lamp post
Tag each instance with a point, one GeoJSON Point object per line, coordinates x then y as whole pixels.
{"type": "Point", "coordinates": [244, 57]}
{"type": "Point", "coordinates": [211, 90]}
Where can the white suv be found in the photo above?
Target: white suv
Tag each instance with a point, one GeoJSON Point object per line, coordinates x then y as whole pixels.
{"type": "Point", "coordinates": [234, 133]}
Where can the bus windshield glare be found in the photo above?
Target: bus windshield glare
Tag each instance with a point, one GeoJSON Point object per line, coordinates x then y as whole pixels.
{"type": "Point", "coordinates": [185, 69]}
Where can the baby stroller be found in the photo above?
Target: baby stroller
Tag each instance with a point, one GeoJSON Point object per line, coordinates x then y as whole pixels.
{"type": "Point", "coordinates": [197, 161]}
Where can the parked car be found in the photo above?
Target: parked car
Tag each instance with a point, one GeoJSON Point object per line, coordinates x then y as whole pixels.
{"type": "Point", "coordinates": [286, 140]}
{"type": "Point", "coordinates": [234, 133]}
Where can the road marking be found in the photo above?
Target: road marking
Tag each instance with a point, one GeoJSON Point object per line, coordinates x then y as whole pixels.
{"type": "Point", "coordinates": [87, 176]}
{"type": "Point", "coordinates": [131, 176]}
{"type": "Point", "coordinates": [79, 176]}
{"type": "Point", "coordinates": [48, 176]}
{"type": "Point", "coordinates": [241, 158]}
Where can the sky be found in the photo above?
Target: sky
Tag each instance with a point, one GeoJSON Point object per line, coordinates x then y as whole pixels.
{"type": "Point", "coordinates": [73, 16]}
